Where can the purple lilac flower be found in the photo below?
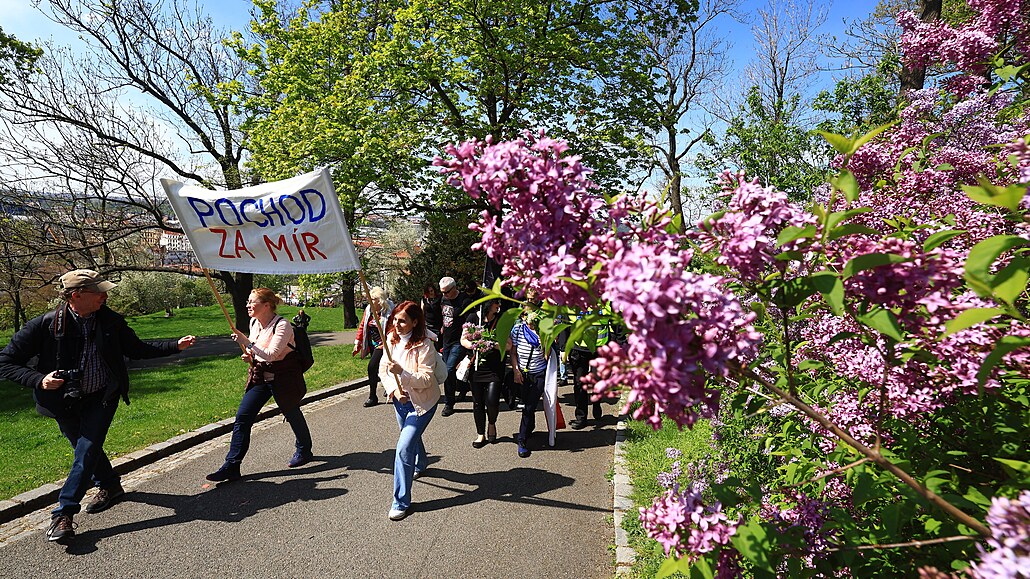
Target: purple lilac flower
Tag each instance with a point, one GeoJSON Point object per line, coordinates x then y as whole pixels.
{"type": "Point", "coordinates": [685, 526]}
{"type": "Point", "coordinates": [1009, 557]}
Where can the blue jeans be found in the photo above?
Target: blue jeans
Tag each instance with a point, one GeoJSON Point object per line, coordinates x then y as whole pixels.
{"type": "Point", "coordinates": [253, 399]}
{"type": "Point", "coordinates": [85, 424]}
{"type": "Point", "coordinates": [411, 452]}
{"type": "Point", "coordinates": [532, 390]}
{"type": "Point", "coordinates": [452, 354]}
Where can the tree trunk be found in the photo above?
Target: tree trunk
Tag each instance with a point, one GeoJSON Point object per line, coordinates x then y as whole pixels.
{"type": "Point", "coordinates": [350, 318]}
{"type": "Point", "coordinates": [239, 287]}
{"type": "Point", "coordinates": [913, 78]}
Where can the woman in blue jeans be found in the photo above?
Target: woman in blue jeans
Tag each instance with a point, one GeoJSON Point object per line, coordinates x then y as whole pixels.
{"type": "Point", "coordinates": [410, 383]}
{"type": "Point", "coordinates": [267, 347]}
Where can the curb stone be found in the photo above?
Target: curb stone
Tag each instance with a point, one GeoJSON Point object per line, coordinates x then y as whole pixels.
{"type": "Point", "coordinates": [625, 556]}
{"type": "Point", "coordinates": [38, 498]}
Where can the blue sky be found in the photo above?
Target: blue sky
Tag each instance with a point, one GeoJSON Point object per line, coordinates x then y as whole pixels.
{"type": "Point", "coordinates": [25, 22]}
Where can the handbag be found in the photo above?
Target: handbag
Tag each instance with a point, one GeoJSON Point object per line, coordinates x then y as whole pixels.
{"type": "Point", "coordinates": [462, 371]}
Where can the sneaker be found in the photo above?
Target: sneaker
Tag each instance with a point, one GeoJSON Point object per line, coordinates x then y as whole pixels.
{"type": "Point", "coordinates": [418, 474]}
{"type": "Point", "coordinates": [447, 411]}
{"type": "Point", "coordinates": [372, 401]}
{"type": "Point", "coordinates": [524, 452]}
{"type": "Point", "coordinates": [578, 424]}
{"type": "Point", "coordinates": [227, 472]}
{"type": "Point", "coordinates": [61, 527]}
{"type": "Point", "coordinates": [397, 514]}
{"type": "Point", "coordinates": [105, 498]}
{"type": "Point", "coordinates": [300, 459]}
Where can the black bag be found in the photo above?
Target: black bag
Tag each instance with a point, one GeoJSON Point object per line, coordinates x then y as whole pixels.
{"type": "Point", "coordinates": [303, 343]}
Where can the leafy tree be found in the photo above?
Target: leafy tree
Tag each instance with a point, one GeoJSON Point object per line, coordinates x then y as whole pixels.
{"type": "Point", "coordinates": [151, 95]}
{"type": "Point", "coordinates": [682, 62]}
{"type": "Point", "coordinates": [861, 104]}
{"type": "Point", "coordinates": [16, 57]}
{"type": "Point", "coordinates": [765, 146]}
{"type": "Point", "coordinates": [446, 252]}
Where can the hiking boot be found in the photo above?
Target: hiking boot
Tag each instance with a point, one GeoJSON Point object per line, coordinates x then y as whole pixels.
{"type": "Point", "coordinates": [105, 498]}
{"type": "Point", "coordinates": [61, 527]}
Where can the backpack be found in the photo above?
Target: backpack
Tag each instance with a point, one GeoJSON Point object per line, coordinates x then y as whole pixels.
{"type": "Point", "coordinates": [303, 343]}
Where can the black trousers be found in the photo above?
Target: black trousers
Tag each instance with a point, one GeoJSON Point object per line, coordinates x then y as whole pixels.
{"type": "Point", "coordinates": [579, 366]}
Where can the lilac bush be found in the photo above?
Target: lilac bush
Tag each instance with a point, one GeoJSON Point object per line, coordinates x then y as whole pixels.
{"type": "Point", "coordinates": [880, 330]}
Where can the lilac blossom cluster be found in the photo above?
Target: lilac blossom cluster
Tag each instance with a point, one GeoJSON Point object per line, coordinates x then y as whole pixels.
{"type": "Point", "coordinates": [797, 510]}
{"type": "Point", "coordinates": [551, 211]}
{"type": "Point", "coordinates": [1009, 557]}
{"type": "Point", "coordinates": [685, 526]}
{"type": "Point", "coordinates": [683, 327]}
{"type": "Point", "coordinates": [970, 45]}
{"type": "Point", "coordinates": [482, 340]}
{"type": "Point", "coordinates": [743, 238]}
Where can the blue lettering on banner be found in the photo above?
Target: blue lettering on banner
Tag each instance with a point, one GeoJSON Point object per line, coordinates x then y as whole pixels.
{"type": "Point", "coordinates": [306, 205]}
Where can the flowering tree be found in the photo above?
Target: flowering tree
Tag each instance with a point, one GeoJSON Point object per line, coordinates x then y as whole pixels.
{"type": "Point", "coordinates": [881, 332]}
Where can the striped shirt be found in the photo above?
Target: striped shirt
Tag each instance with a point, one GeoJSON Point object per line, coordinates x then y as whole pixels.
{"type": "Point", "coordinates": [530, 358]}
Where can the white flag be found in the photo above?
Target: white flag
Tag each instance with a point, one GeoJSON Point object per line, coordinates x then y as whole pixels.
{"type": "Point", "coordinates": [290, 226]}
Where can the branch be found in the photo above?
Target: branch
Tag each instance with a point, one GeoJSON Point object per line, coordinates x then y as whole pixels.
{"type": "Point", "coordinates": [875, 456]}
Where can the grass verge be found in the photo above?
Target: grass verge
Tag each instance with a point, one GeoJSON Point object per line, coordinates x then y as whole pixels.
{"type": "Point", "coordinates": [166, 401]}
{"type": "Point", "coordinates": [645, 458]}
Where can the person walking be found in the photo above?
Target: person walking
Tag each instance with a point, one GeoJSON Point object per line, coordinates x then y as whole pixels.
{"type": "Point", "coordinates": [529, 364]}
{"type": "Point", "coordinates": [270, 374]}
{"type": "Point", "coordinates": [369, 339]}
{"type": "Point", "coordinates": [78, 377]}
{"type": "Point", "coordinates": [487, 377]}
{"type": "Point", "coordinates": [452, 305]}
{"type": "Point", "coordinates": [411, 384]}
{"type": "Point", "coordinates": [432, 309]}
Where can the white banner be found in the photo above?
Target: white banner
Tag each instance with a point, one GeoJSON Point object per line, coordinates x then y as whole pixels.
{"type": "Point", "coordinates": [290, 226]}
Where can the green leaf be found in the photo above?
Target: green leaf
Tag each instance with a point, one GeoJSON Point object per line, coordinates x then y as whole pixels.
{"type": "Point", "coordinates": [1016, 469]}
{"type": "Point", "coordinates": [941, 237]}
{"type": "Point", "coordinates": [870, 135]}
{"type": "Point", "coordinates": [842, 144]}
{"type": "Point", "coordinates": [1010, 283]}
{"type": "Point", "coordinates": [1005, 345]}
{"type": "Point", "coordinates": [504, 325]}
{"type": "Point", "coordinates": [869, 261]}
{"type": "Point", "coordinates": [793, 232]}
{"type": "Point", "coordinates": [847, 183]}
{"type": "Point", "coordinates": [982, 256]}
{"type": "Point", "coordinates": [669, 568]}
{"type": "Point", "coordinates": [970, 318]}
{"type": "Point", "coordinates": [976, 497]}
{"type": "Point", "coordinates": [883, 321]}
{"type": "Point", "coordinates": [852, 229]}
{"type": "Point", "coordinates": [990, 194]}
{"type": "Point", "coordinates": [753, 543]}
{"type": "Point", "coordinates": [832, 289]}
{"type": "Point", "coordinates": [839, 216]}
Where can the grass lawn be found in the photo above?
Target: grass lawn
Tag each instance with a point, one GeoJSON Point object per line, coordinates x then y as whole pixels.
{"type": "Point", "coordinates": [166, 401]}
{"type": "Point", "coordinates": [209, 321]}
{"type": "Point", "coordinates": [645, 458]}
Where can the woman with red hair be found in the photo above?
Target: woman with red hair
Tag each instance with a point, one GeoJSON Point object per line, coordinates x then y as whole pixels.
{"type": "Point", "coordinates": [411, 384]}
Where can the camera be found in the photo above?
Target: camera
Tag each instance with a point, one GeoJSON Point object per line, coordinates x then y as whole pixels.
{"type": "Point", "coordinates": [72, 386]}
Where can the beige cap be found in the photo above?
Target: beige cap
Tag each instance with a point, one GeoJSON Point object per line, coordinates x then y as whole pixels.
{"type": "Point", "coordinates": [86, 279]}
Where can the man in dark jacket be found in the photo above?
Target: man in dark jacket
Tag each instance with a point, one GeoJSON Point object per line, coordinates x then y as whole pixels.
{"type": "Point", "coordinates": [77, 380]}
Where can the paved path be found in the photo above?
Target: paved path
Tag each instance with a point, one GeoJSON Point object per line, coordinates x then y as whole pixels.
{"type": "Point", "coordinates": [477, 513]}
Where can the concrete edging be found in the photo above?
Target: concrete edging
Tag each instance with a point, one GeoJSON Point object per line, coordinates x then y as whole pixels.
{"type": "Point", "coordinates": [625, 556]}
{"type": "Point", "coordinates": [38, 498]}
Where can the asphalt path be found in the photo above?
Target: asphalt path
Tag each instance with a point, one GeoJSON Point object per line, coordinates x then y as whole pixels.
{"type": "Point", "coordinates": [476, 512]}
